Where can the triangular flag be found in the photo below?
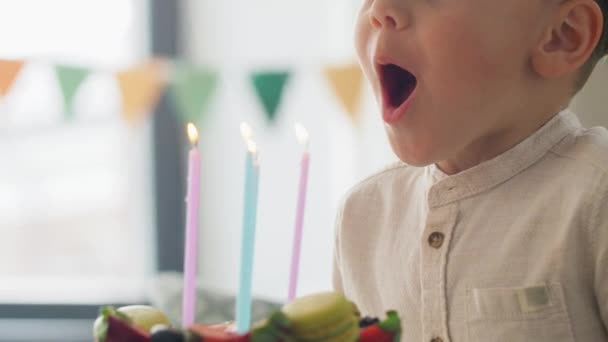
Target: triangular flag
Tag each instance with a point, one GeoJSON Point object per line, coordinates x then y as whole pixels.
{"type": "Point", "coordinates": [140, 88]}
{"type": "Point", "coordinates": [269, 88]}
{"type": "Point", "coordinates": [9, 70]}
{"type": "Point", "coordinates": [346, 82]}
{"type": "Point", "coordinates": [70, 78]}
{"type": "Point", "coordinates": [192, 90]}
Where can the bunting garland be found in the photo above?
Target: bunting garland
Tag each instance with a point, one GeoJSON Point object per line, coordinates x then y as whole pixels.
{"type": "Point", "coordinates": [347, 83]}
{"type": "Point", "coordinates": [269, 87]}
{"type": "Point", "coordinates": [192, 89]}
{"type": "Point", "coordinates": [140, 88]}
{"type": "Point", "coordinates": [9, 69]}
{"type": "Point", "coordinates": [70, 78]}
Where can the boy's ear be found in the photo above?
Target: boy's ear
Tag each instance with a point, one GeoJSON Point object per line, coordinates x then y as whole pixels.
{"type": "Point", "coordinates": [570, 38]}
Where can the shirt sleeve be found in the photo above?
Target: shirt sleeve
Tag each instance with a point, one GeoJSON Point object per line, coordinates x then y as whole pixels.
{"type": "Point", "coordinates": [337, 276]}
{"type": "Point", "coordinates": [599, 247]}
{"type": "Point", "coordinates": [337, 270]}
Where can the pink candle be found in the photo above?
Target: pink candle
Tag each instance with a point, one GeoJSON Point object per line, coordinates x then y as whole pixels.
{"type": "Point", "coordinates": [302, 136]}
{"type": "Point", "coordinates": [191, 241]}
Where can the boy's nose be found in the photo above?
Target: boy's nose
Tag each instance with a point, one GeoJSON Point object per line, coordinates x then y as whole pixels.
{"type": "Point", "coordinates": [384, 14]}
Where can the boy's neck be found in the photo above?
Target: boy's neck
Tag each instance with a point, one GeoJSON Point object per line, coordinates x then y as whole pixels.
{"type": "Point", "coordinates": [501, 140]}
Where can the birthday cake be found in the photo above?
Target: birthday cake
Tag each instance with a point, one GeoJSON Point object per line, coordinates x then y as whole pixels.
{"type": "Point", "coordinates": [321, 317]}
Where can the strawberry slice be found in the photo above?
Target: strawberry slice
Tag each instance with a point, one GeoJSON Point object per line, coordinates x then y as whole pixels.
{"type": "Point", "coordinates": [120, 331]}
{"type": "Point", "coordinates": [373, 333]}
{"type": "Point", "coordinates": [388, 330]}
{"type": "Point", "coordinates": [217, 333]}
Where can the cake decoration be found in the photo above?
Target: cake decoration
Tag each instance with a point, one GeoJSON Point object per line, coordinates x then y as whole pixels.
{"type": "Point", "coordinates": [320, 317]}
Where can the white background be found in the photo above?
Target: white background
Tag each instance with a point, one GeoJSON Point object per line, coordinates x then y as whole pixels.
{"type": "Point", "coordinates": [241, 36]}
{"type": "Point", "coordinates": [75, 197]}
{"type": "Point", "coordinates": [237, 36]}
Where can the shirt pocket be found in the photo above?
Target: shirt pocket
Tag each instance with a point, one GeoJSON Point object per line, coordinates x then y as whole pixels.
{"type": "Point", "coordinates": [535, 313]}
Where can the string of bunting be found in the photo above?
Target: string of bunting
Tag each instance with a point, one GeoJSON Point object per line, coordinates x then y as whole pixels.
{"type": "Point", "coordinates": [190, 87]}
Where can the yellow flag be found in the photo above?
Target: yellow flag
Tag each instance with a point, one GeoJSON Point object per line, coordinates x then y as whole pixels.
{"type": "Point", "coordinates": [346, 81]}
{"type": "Point", "coordinates": [9, 70]}
{"type": "Point", "coordinates": [140, 88]}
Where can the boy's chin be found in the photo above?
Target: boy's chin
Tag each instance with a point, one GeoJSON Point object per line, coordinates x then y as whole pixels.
{"type": "Point", "coordinates": [418, 157]}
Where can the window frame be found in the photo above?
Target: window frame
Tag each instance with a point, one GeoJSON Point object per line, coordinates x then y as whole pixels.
{"type": "Point", "coordinates": [168, 179]}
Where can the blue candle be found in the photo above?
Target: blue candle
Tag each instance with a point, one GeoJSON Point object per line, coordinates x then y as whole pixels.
{"type": "Point", "coordinates": [250, 204]}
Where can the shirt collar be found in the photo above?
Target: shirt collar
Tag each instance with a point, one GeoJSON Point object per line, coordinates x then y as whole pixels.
{"type": "Point", "coordinates": [493, 172]}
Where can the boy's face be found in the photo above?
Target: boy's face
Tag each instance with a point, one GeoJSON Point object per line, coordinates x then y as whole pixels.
{"type": "Point", "coordinates": [470, 60]}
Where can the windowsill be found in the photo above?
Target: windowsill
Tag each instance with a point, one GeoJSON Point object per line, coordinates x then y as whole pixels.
{"type": "Point", "coordinates": [72, 290]}
{"type": "Point", "coordinates": [46, 330]}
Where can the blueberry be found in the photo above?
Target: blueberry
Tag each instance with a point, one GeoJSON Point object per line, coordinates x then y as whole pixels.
{"type": "Point", "coordinates": [367, 321]}
{"type": "Point", "coordinates": [168, 335]}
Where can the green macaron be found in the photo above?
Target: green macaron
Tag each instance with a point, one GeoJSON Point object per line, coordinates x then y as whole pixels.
{"type": "Point", "coordinates": [323, 317]}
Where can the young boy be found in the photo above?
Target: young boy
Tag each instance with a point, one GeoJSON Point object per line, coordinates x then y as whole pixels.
{"type": "Point", "coordinates": [494, 227]}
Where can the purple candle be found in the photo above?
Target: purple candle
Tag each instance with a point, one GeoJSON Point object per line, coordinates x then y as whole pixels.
{"type": "Point", "coordinates": [302, 136]}
{"type": "Point", "coordinates": [191, 242]}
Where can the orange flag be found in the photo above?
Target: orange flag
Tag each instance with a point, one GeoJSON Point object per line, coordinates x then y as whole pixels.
{"type": "Point", "coordinates": [347, 81]}
{"type": "Point", "coordinates": [141, 88]}
{"type": "Point", "coordinates": [8, 72]}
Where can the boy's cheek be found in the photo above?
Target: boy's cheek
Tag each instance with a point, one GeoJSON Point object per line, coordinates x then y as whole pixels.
{"type": "Point", "coordinates": [364, 48]}
{"type": "Point", "coordinates": [458, 64]}
{"type": "Point", "coordinates": [361, 43]}
{"type": "Point", "coordinates": [459, 42]}
{"type": "Point", "coordinates": [364, 43]}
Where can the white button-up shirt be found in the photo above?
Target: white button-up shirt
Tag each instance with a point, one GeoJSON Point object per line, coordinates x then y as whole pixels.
{"type": "Point", "coordinates": [514, 249]}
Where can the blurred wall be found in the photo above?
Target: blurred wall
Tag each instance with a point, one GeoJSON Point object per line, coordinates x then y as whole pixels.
{"type": "Point", "coordinates": [591, 103]}
{"type": "Point", "coordinates": [236, 37]}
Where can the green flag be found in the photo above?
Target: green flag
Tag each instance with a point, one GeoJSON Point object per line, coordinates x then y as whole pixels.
{"type": "Point", "coordinates": [70, 78]}
{"type": "Point", "coordinates": [269, 88]}
{"type": "Point", "coordinates": [192, 89]}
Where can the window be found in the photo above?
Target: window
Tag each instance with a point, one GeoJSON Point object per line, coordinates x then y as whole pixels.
{"type": "Point", "coordinates": [75, 196]}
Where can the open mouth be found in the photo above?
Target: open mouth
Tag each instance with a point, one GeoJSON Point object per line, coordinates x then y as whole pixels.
{"type": "Point", "coordinates": [398, 85]}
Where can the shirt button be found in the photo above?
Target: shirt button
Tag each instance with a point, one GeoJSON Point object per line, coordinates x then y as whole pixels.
{"type": "Point", "coordinates": [437, 339]}
{"type": "Point", "coordinates": [436, 240]}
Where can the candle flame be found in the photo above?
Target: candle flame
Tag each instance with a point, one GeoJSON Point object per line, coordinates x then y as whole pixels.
{"type": "Point", "coordinates": [252, 146]}
{"type": "Point", "coordinates": [301, 134]}
{"type": "Point", "coordinates": [246, 132]}
{"type": "Point", "coordinates": [192, 133]}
